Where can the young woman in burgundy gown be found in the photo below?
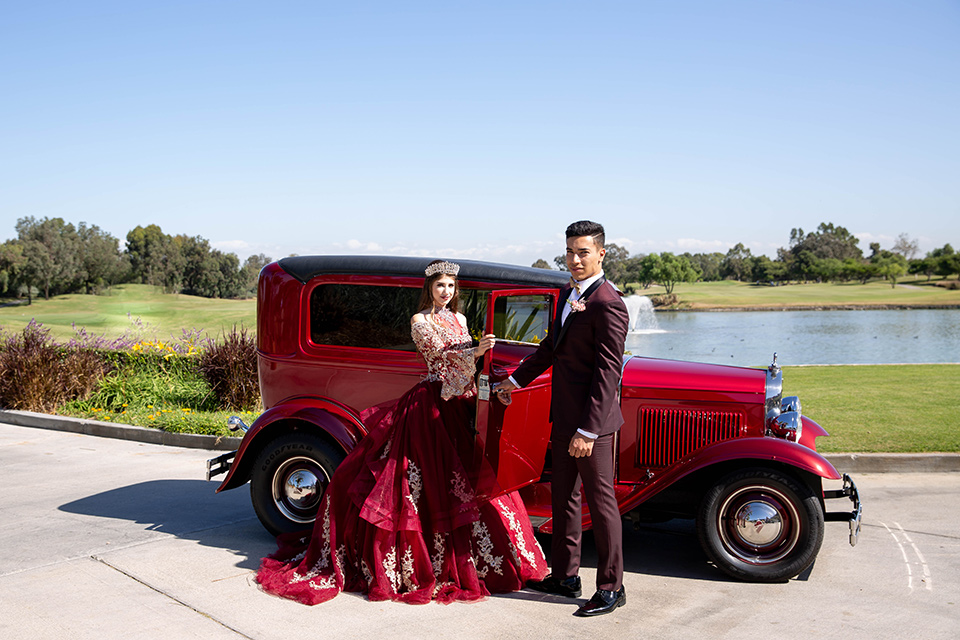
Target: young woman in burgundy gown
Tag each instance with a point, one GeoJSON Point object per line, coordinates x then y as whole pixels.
{"type": "Point", "coordinates": [413, 514]}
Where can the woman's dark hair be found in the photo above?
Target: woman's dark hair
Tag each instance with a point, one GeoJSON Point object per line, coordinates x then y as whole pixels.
{"type": "Point", "coordinates": [587, 228]}
{"type": "Point", "coordinates": [426, 295]}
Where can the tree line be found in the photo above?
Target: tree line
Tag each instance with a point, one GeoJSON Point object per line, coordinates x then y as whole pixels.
{"type": "Point", "coordinates": [829, 254]}
{"type": "Point", "coordinates": [51, 257]}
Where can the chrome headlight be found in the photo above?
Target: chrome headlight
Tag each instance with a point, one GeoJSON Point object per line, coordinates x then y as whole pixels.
{"type": "Point", "coordinates": [790, 403]}
{"type": "Point", "coordinates": [788, 425]}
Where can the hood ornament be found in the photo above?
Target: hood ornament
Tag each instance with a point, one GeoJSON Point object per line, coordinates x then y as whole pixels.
{"type": "Point", "coordinates": [774, 368]}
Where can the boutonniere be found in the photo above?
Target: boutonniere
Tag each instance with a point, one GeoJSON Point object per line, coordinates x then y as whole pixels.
{"type": "Point", "coordinates": [577, 305]}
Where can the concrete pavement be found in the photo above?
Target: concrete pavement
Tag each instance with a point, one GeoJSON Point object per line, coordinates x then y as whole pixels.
{"type": "Point", "coordinates": [113, 538]}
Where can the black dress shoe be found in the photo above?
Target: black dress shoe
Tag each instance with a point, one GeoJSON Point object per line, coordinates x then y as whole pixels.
{"type": "Point", "coordinates": [568, 587]}
{"type": "Point", "coordinates": [602, 602]}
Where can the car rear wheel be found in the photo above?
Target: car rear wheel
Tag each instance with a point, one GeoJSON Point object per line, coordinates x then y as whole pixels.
{"type": "Point", "coordinates": [289, 479]}
{"type": "Point", "coordinates": [760, 525]}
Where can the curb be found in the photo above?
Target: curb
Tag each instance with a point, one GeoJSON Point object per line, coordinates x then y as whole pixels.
{"type": "Point", "coordinates": [894, 462]}
{"type": "Point", "coordinates": [844, 462]}
{"type": "Point", "coordinates": [118, 431]}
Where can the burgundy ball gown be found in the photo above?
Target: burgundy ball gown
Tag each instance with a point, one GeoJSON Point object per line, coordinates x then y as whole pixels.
{"type": "Point", "coordinates": [412, 514]}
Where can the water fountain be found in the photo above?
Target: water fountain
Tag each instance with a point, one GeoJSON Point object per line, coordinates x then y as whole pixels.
{"type": "Point", "coordinates": [642, 319]}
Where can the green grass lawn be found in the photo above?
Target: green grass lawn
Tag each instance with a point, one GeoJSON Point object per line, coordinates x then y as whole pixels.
{"type": "Point", "coordinates": [880, 408]}
{"type": "Point", "coordinates": [117, 311]}
{"type": "Point", "coordinates": [731, 294]}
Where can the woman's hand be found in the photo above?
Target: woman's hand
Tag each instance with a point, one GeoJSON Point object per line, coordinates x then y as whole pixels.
{"type": "Point", "coordinates": [486, 343]}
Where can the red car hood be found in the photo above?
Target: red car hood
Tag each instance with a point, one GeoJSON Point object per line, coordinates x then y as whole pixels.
{"type": "Point", "coordinates": [653, 373]}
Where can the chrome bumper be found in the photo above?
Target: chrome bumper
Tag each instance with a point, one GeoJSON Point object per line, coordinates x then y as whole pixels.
{"type": "Point", "coordinates": [220, 464]}
{"type": "Point", "coordinates": [853, 517]}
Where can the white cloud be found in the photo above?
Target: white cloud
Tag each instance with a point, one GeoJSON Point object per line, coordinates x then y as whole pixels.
{"type": "Point", "coordinates": [695, 245]}
{"type": "Point", "coordinates": [886, 241]}
{"type": "Point", "coordinates": [231, 246]}
{"type": "Point", "coordinates": [363, 247]}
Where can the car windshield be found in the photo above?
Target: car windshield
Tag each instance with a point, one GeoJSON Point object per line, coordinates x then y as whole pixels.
{"type": "Point", "coordinates": [524, 319]}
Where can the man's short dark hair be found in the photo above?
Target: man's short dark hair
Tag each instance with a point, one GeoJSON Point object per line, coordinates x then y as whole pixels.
{"type": "Point", "coordinates": [587, 228]}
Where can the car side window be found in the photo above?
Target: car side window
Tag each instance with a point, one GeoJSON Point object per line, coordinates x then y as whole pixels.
{"type": "Point", "coordinates": [377, 317]}
{"type": "Point", "coordinates": [353, 315]}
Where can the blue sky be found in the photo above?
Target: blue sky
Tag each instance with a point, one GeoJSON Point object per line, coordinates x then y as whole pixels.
{"type": "Point", "coordinates": [480, 130]}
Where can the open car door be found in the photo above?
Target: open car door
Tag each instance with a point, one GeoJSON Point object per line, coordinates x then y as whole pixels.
{"type": "Point", "coordinates": [514, 439]}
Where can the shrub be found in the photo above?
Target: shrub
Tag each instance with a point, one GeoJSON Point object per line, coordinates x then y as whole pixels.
{"type": "Point", "coordinates": [665, 299]}
{"type": "Point", "coordinates": [230, 368]}
{"type": "Point", "coordinates": [36, 374]}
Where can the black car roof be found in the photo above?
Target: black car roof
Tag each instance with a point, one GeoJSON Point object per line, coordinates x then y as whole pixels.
{"type": "Point", "coordinates": [304, 268]}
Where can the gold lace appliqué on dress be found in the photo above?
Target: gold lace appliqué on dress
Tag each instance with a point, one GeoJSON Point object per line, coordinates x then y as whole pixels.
{"type": "Point", "coordinates": [447, 350]}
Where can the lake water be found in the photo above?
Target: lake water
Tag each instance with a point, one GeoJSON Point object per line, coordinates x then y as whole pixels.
{"type": "Point", "coordinates": [749, 338]}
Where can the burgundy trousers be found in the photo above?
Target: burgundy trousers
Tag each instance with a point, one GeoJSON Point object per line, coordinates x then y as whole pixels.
{"type": "Point", "coordinates": [594, 476]}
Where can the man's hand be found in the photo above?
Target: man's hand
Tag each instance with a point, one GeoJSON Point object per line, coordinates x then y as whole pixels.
{"type": "Point", "coordinates": [580, 447]}
{"type": "Point", "coordinates": [504, 390]}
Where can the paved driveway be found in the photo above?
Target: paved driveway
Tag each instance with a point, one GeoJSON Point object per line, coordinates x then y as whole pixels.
{"type": "Point", "coordinates": [110, 538]}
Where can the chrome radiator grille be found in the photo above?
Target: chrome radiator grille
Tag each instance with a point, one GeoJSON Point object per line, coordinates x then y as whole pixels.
{"type": "Point", "coordinates": [666, 435]}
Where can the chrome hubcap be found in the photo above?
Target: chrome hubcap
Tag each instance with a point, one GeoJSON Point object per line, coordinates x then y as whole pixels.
{"type": "Point", "coordinates": [298, 486]}
{"type": "Point", "coordinates": [758, 524]}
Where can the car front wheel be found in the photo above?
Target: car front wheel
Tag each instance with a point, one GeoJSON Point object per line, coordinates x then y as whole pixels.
{"type": "Point", "coordinates": [289, 479]}
{"type": "Point", "coordinates": [760, 525]}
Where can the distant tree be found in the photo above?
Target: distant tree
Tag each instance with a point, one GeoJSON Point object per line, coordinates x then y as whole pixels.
{"type": "Point", "coordinates": [828, 241]}
{"type": "Point", "coordinates": [614, 267]}
{"type": "Point", "coordinates": [906, 247]}
{"type": "Point", "coordinates": [632, 268]}
{"type": "Point", "coordinates": [891, 266]}
{"type": "Point", "coordinates": [541, 264]}
{"type": "Point", "coordinates": [231, 283]}
{"type": "Point", "coordinates": [827, 269]}
{"type": "Point", "coordinates": [12, 263]}
{"type": "Point", "coordinates": [923, 266]}
{"type": "Point", "coordinates": [250, 271]}
{"type": "Point", "coordinates": [155, 258]}
{"type": "Point", "coordinates": [103, 264]}
{"type": "Point", "coordinates": [672, 269]}
{"type": "Point", "coordinates": [945, 250]}
{"type": "Point", "coordinates": [853, 269]}
{"type": "Point", "coordinates": [948, 264]}
{"type": "Point", "coordinates": [561, 262]}
{"type": "Point", "coordinates": [804, 265]}
{"type": "Point", "coordinates": [201, 267]}
{"type": "Point", "coordinates": [763, 269]}
{"type": "Point", "coordinates": [649, 267]}
{"type": "Point", "coordinates": [736, 263]}
{"type": "Point", "coordinates": [707, 263]}
{"type": "Point", "coordinates": [51, 248]}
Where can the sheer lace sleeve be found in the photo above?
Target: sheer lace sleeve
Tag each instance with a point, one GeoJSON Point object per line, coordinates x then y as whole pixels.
{"type": "Point", "coordinates": [451, 363]}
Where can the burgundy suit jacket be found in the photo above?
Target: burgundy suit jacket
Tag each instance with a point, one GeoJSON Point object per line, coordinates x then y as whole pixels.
{"type": "Point", "coordinates": [586, 354]}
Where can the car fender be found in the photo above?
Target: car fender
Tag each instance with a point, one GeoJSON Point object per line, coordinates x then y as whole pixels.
{"type": "Point", "coordinates": [330, 418]}
{"type": "Point", "coordinates": [811, 431]}
{"type": "Point", "coordinates": [744, 450]}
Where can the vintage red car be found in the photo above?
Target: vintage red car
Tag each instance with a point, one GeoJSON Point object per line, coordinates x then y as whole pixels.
{"type": "Point", "coordinates": [718, 444]}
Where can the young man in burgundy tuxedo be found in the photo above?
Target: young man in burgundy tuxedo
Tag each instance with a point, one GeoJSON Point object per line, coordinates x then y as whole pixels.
{"type": "Point", "coordinates": [585, 348]}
